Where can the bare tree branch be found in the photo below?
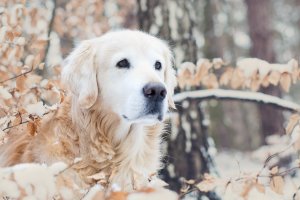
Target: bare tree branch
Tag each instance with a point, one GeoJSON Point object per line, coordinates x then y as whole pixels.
{"type": "Point", "coordinates": [238, 95]}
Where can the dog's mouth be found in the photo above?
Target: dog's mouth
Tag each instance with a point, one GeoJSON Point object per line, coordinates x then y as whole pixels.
{"type": "Point", "coordinates": [146, 118]}
{"type": "Point", "coordinates": [151, 116]}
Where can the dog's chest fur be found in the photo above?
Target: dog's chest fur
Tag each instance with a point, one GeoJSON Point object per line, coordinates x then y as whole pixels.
{"type": "Point", "coordinates": [127, 156]}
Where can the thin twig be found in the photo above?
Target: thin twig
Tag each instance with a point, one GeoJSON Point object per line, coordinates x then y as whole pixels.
{"type": "Point", "coordinates": [62, 171]}
{"type": "Point", "coordinates": [24, 122]}
{"type": "Point", "coordinates": [283, 173]}
{"type": "Point", "coordinates": [269, 158]}
{"type": "Point", "coordinates": [9, 127]}
{"type": "Point", "coordinates": [11, 44]}
{"type": "Point", "coordinates": [14, 77]}
{"type": "Point", "coordinates": [295, 194]}
{"type": "Point", "coordinates": [187, 192]}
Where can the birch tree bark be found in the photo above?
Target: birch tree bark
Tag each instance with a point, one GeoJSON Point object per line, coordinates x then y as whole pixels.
{"type": "Point", "coordinates": [187, 146]}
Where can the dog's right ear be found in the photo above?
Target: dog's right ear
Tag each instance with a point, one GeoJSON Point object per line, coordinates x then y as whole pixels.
{"type": "Point", "coordinates": [80, 74]}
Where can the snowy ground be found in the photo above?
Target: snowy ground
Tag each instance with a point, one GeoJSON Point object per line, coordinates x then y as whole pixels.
{"type": "Point", "coordinates": [231, 164]}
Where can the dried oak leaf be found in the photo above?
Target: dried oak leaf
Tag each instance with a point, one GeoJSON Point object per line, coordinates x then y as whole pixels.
{"type": "Point", "coordinates": [20, 83]}
{"type": "Point", "coordinates": [202, 68]}
{"type": "Point", "coordinates": [31, 127]}
{"type": "Point", "coordinates": [185, 74]}
{"type": "Point", "coordinates": [118, 196]}
{"type": "Point", "coordinates": [248, 185]}
{"type": "Point", "coordinates": [39, 44]}
{"type": "Point", "coordinates": [210, 81]}
{"type": "Point", "coordinates": [274, 77]}
{"type": "Point", "coordinates": [208, 184]}
{"type": "Point", "coordinates": [17, 119]}
{"type": "Point", "coordinates": [261, 188]}
{"type": "Point", "coordinates": [226, 76]}
{"type": "Point", "coordinates": [237, 79]}
{"type": "Point", "coordinates": [285, 81]}
{"type": "Point", "coordinates": [10, 35]}
{"type": "Point", "coordinates": [277, 184]}
{"type": "Point", "coordinates": [255, 82]}
{"type": "Point", "coordinates": [265, 81]}
{"type": "Point", "coordinates": [293, 121]}
{"type": "Point", "coordinates": [99, 196]}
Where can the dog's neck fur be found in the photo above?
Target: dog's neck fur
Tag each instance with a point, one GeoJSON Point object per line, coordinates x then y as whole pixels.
{"type": "Point", "coordinates": [128, 154]}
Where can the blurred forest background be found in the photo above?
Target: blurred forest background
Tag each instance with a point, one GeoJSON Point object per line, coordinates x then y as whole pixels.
{"type": "Point", "coordinates": [239, 131]}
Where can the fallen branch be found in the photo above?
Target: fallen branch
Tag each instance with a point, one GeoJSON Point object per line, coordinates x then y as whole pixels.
{"type": "Point", "coordinates": [238, 95]}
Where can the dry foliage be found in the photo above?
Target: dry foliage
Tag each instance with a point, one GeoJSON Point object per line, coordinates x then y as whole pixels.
{"type": "Point", "coordinates": [54, 182]}
{"type": "Point", "coordinates": [293, 129]}
{"type": "Point", "coordinates": [25, 97]}
{"type": "Point", "coordinates": [250, 73]}
{"type": "Point", "coordinates": [269, 180]}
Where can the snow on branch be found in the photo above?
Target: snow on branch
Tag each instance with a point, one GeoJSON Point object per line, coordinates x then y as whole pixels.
{"type": "Point", "coordinates": [237, 95]}
{"type": "Point", "coordinates": [250, 73]}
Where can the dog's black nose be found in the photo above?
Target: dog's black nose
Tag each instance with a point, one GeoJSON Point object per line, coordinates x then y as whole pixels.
{"type": "Point", "coordinates": [155, 91]}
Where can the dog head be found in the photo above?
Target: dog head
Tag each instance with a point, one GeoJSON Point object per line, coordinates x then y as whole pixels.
{"type": "Point", "coordinates": [128, 72]}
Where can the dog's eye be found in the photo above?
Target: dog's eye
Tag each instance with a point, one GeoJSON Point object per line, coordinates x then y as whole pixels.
{"type": "Point", "coordinates": [123, 63]}
{"type": "Point", "coordinates": [157, 65]}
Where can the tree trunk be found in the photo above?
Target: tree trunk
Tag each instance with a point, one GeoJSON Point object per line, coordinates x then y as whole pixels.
{"type": "Point", "coordinates": [261, 34]}
{"type": "Point", "coordinates": [187, 151]}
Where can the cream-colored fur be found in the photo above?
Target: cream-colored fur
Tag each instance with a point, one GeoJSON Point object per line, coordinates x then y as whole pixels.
{"type": "Point", "coordinates": [89, 123]}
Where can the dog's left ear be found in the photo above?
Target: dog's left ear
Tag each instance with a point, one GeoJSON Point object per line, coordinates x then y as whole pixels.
{"type": "Point", "coordinates": [80, 75]}
{"type": "Point", "coordinates": [170, 78]}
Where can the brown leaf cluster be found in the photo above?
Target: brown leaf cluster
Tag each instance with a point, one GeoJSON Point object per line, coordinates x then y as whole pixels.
{"type": "Point", "coordinates": [250, 73]}
{"type": "Point", "coordinates": [25, 95]}
{"type": "Point", "coordinates": [293, 129]}
{"type": "Point", "coordinates": [245, 184]}
{"type": "Point", "coordinates": [79, 20]}
{"type": "Point", "coordinates": [272, 180]}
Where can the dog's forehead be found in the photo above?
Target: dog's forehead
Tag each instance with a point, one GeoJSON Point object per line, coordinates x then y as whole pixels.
{"type": "Point", "coordinates": [120, 40]}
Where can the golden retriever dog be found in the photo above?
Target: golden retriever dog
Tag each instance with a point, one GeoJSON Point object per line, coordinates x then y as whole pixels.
{"type": "Point", "coordinates": [121, 86]}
